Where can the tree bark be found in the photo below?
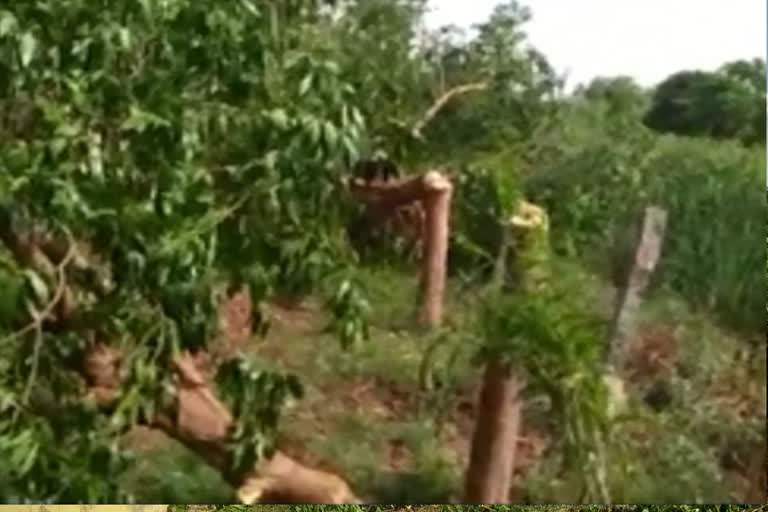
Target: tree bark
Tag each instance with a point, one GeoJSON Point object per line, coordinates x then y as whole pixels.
{"type": "Point", "coordinates": [494, 441]}
{"type": "Point", "coordinates": [437, 204]}
{"type": "Point", "coordinates": [204, 425]}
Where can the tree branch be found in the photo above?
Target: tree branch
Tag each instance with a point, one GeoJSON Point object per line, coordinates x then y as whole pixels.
{"type": "Point", "coordinates": [61, 289]}
{"type": "Point", "coordinates": [441, 102]}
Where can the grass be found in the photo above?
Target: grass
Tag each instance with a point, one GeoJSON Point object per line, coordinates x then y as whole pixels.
{"type": "Point", "coordinates": [367, 415]}
{"type": "Point", "coordinates": [469, 508]}
{"type": "Point", "coordinates": [170, 473]}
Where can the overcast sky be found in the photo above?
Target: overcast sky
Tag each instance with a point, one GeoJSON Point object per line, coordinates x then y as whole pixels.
{"type": "Point", "coordinates": [646, 39]}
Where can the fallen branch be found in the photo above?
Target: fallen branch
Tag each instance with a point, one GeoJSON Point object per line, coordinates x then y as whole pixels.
{"type": "Point", "coordinates": [205, 426]}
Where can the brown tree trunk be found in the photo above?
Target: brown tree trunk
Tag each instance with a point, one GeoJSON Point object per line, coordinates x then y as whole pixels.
{"type": "Point", "coordinates": [435, 191]}
{"type": "Point", "coordinates": [437, 204]}
{"type": "Point", "coordinates": [494, 441]}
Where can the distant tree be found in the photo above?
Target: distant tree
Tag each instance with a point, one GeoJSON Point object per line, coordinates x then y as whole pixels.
{"type": "Point", "coordinates": [521, 91]}
{"type": "Point", "coordinates": [620, 93]}
{"type": "Point", "coordinates": [752, 71]}
{"type": "Point", "coordinates": [728, 103]}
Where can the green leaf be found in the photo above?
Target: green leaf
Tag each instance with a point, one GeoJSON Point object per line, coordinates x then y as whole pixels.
{"type": "Point", "coordinates": [39, 288]}
{"type": "Point", "coordinates": [9, 299]}
{"type": "Point", "coordinates": [30, 458]}
{"type": "Point", "coordinates": [305, 84]}
{"type": "Point", "coordinates": [332, 67]}
{"type": "Point", "coordinates": [314, 131]}
{"type": "Point", "coordinates": [251, 8]}
{"type": "Point", "coordinates": [69, 130]}
{"type": "Point", "coordinates": [350, 148]}
{"type": "Point", "coordinates": [331, 135]}
{"type": "Point", "coordinates": [8, 23]}
{"type": "Point", "coordinates": [279, 117]}
{"type": "Point", "coordinates": [139, 120]}
{"type": "Point", "coordinates": [125, 38]}
{"type": "Point", "coordinates": [357, 117]}
{"type": "Point", "coordinates": [27, 46]}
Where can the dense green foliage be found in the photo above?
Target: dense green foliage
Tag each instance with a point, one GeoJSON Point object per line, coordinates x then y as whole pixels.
{"type": "Point", "coordinates": [726, 104]}
{"type": "Point", "coordinates": [180, 141]}
{"type": "Point", "coordinates": [191, 147]}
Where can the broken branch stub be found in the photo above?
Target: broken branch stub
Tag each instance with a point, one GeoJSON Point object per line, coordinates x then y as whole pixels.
{"type": "Point", "coordinates": [392, 194]}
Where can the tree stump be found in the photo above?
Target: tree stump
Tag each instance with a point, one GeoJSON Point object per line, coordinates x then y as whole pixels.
{"type": "Point", "coordinates": [435, 192]}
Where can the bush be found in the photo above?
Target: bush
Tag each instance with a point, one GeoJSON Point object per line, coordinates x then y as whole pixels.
{"type": "Point", "coordinates": [603, 171]}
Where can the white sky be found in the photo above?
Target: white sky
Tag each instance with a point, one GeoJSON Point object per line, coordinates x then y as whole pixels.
{"type": "Point", "coordinates": [646, 39]}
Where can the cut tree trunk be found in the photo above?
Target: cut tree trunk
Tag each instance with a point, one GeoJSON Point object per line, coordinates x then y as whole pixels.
{"type": "Point", "coordinates": [437, 204]}
{"type": "Point", "coordinates": [435, 191]}
{"type": "Point", "coordinates": [495, 438]}
{"type": "Point", "coordinates": [492, 459]}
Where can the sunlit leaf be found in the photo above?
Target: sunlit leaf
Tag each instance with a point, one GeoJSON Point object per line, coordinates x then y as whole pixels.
{"type": "Point", "coordinates": [8, 23]}
{"type": "Point", "coordinates": [305, 84]}
{"type": "Point", "coordinates": [27, 47]}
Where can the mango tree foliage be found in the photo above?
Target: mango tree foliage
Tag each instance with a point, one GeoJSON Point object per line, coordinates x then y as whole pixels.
{"type": "Point", "coordinates": [380, 49]}
{"type": "Point", "coordinates": [189, 144]}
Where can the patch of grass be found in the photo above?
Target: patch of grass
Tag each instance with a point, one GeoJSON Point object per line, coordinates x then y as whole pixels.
{"type": "Point", "coordinates": [714, 412]}
{"type": "Point", "coordinates": [391, 461]}
{"type": "Point", "coordinates": [229, 508]}
{"type": "Point", "coordinates": [366, 416]}
{"type": "Point", "coordinates": [173, 474]}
